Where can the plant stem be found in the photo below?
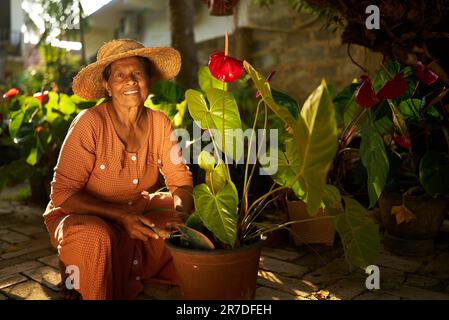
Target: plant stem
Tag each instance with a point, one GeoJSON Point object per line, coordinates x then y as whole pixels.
{"type": "Point", "coordinates": [261, 198]}
{"type": "Point", "coordinates": [283, 225]}
{"type": "Point", "coordinates": [226, 44]}
{"type": "Point", "coordinates": [223, 139]}
{"type": "Point", "coordinates": [244, 208]}
{"type": "Point", "coordinates": [353, 123]}
{"type": "Point", "coordinates": [248, 182]}
{"type": "Point", "coordinates": [254, 217]}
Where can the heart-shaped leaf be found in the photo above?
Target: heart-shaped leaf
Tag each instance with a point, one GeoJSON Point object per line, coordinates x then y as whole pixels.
{"type": "Point", "coordinates": [218, 211]}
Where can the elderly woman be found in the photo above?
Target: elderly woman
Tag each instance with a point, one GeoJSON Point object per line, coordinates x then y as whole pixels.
{"type": "Point", "coordinates": [104, 216]}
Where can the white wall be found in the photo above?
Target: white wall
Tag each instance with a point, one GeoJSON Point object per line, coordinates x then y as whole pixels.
{"type": "Point", "coordinates": [156, 25]}
{"type": "Point", "coordinates": [17, 18]}
{"type": "Point", "coordinates": [95, 38]}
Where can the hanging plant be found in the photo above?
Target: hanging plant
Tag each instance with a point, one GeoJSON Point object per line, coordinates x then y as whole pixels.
{"type": "Point", "coordinates": [221, 7]}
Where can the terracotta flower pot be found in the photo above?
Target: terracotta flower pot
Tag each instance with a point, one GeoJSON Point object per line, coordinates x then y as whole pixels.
{"type": "Point", "coordinates": [217, 274]}
{"type": "Point", "coordinates": [415, 237]}
{"type": "Point", "coordinates": [429, 214]}
{"type": "Point", "coordinates": [319, 231]}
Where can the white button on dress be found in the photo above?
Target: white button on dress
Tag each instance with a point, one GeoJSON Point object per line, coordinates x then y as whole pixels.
{"type": "Point", "coordinates": [102, 166]}
{"type": "Point", "coordinates": [135, 262]}
{"type": "Point", "coordinates": [135, 181]}
{"type": "Point", "coordinates": [130, 203]}
{"type": "Point", "coordinates": [133, 158]}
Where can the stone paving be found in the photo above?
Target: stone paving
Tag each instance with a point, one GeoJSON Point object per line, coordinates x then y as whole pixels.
{"type": "Point", "coordinates": [29, 267]}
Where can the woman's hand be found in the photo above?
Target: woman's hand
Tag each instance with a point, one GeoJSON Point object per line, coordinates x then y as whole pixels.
{"type": "Point", "coordinates": [142, 228]}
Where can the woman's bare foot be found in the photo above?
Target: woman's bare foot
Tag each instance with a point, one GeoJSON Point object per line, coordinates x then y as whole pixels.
{"type": "Point", "coordinates": [64, 292]}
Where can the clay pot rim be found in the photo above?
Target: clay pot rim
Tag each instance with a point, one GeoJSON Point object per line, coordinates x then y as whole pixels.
{"type": "Point", "coordinates": [215, 252]}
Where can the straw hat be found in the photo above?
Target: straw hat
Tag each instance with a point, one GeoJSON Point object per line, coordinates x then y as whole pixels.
{"type": "Point", "coordinates": [88, 82]}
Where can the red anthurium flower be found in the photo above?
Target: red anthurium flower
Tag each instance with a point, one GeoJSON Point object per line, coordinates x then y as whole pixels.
{"type": "Point", "coordinates": [225, 68]}
{"type": "Point", "coordinates": [41, 96]}
{"type": "Point", "coordinates": [424, 74]}
{"type": "Point", "coordinates": [402, 142]}
{"type": "Point", "coordinates": [394, 88]}
{"type": "Point", "coordinates": [272, 73]}
{"type": "Point", "coordinates": [11, 93]}
{"type": "Point", "coordinates": [365, 95]}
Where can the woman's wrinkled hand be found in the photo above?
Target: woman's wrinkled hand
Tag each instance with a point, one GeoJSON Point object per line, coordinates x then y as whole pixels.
{"type": "Point", "coordinates": [142, 228]}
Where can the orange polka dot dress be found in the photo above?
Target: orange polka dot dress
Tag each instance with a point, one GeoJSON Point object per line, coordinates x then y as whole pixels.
{"type": "Point", "coordinates": [92, 157]}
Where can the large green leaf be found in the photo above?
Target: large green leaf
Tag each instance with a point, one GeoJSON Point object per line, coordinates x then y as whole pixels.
{"type": "Point", "coordinates": [345, 106]}
{"type": "Point", "coordinates": [232, 121]}
{"type": "Point", "coordinates": [332, 197]}
{"type": "Point", "coordinates": [32, 157]}
{"type": "Point", "coordinates": [217, 178]}
{"type": "Point", "coordinates": [315, 134]}
{"type": "Point", "coordinates": [198, 108]}
{"type": "Point", "coordinates": [179, 116]}
{"type": "Point", "coordinates": [358, 233]}
{"type": "Point", "coordinates": [288, 166]}
{"type": "Point", "coordinates": [211, 117]}
{"type": "Point", "coordinates": [375, 160]}
{"type": "Point", "coordinates": [218, 211]}
{"type": "Point", "coordinates": [286, 101]}
{"type": "Point", "coordinates": [207, 81]}
{"type": "Point", "coordinates": [206, 161]}
{"type": "Point", "coordinates": [15, 122]}
{"type": "Point", "coordinates": [434, 173]}
{"type": "Point", "coordinates": [82, 103]}
{"type": "Point", "coordinates": [66, 105]}
{"type": "Point", "coordinates": [384, 125]}
{"type": "Point", "coordinates": [194, 221]}
{"type": "Point", "coordinates": [410, 108]}
{"type": "Point", "coordinates": [317, 142]}
{"type": "Point", "coordinates": [52, 104]}
{"type": "Point", "coordinates": [30, 102]}
{"type": "Point", "coordinates": [264, 89]}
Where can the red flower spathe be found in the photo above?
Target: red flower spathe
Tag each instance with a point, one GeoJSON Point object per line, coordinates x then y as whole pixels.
{"type": "Point", "coordinates": [11, 93]}
{"type": "Point", "coordinates": [424, 74]}
{"type": "Point", "coordinates": [402, 142]}
{"type": "Point", "coordinates": [41, 96]}
{"type": "Point", "coordinates": [365, 95]}
{"type": "Point", "coordinates": [225, 68]}
{"type": "Point", "coordinates": [367, 98]}
{"type": "Point", "coordinates": [394, 88]}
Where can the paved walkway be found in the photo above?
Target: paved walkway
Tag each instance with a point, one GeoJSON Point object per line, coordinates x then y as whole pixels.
{"type": "Point", "coordinates": [29, 267]}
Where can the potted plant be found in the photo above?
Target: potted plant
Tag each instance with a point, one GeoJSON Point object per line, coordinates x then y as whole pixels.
{"type": "Point", "coordinates": [396, 128]}
{"type": "Point", "coordinates": [217, 252]}
{"type": "Point", "coordinates": [34, 126]}
{"type": "Point", "coordinates": [415, 200]}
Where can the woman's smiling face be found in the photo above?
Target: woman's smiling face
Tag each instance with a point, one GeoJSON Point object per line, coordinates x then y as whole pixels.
{"type": "Point", "coordinates": [128, 82]}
